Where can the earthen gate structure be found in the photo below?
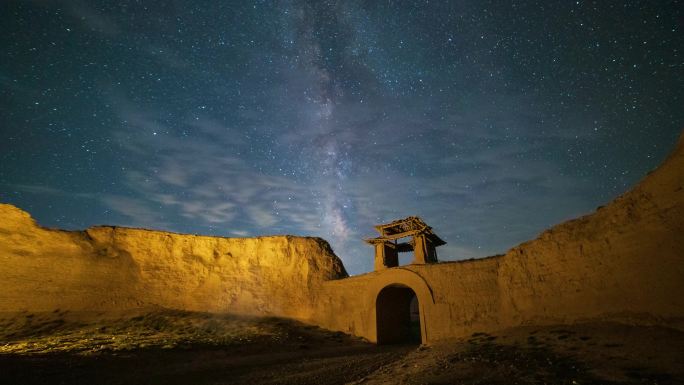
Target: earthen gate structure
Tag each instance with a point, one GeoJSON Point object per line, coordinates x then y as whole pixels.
{"type": "Point", "coordinates": [624, 263]}
{"type": "Point", "coordinates": [394, 300]}
{"type": "Point", "coordinates": [423, 242]}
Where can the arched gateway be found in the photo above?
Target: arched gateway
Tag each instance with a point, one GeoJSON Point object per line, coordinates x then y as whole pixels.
{"type": "Point", "coordinates": [402, 301]}
{"type": "Point", "coordinates": [398, 315]}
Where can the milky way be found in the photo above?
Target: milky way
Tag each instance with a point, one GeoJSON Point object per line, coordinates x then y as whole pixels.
{"type": "Point", "coordinates": [490, 120]}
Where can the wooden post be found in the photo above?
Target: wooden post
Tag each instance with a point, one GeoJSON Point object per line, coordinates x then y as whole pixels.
{"type": "Point", "coordinates": [424, 250]}
{"type": "Point", "coordinates": [379, 257]}
{"type": "Point", "coordinates": [386, 255]}
{"type": "Point", "coordinates": [391, 255]}
{"type": "Point", "coordinates": [431, 256]}
{"type": "Point", "coordinates": [419, 249]}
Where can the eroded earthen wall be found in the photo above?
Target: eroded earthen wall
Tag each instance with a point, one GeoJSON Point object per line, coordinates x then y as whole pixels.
{"type": "Point", "coordinates": [625, 262]}
{"type": "Point", "coordinates": [110, 268]}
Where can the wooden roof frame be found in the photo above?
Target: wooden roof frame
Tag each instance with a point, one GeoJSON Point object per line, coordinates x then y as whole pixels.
{"type": "Point", "coordinates": [406, 227]}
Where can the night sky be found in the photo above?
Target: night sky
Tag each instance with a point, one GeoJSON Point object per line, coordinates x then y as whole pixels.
{"type": "Point", "coordinates": [490, 120]}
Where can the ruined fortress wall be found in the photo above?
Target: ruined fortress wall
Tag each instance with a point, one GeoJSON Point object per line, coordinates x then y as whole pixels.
{"type": "Point", "coordinates": [110, 268]}
{"type": "Point", "coordinates": [625, 262]}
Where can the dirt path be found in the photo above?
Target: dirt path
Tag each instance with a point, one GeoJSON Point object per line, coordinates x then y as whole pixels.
{"type": "Point", "coordinates": [601, 353]}
{"type": "Point", "coordinates": [199, 366]}
{"type": "Point", "coordinates": [169, 347]}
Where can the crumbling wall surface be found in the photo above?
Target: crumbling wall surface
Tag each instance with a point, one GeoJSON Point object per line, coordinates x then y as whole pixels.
{"type": "Point", "coordinates": [112, 268]}
{"type": "Point", "coordinates": [625, 262]}
{"type": "Point", "coordinates": [454, 299]}
{"type": "Point", "coordinates": [467, 297]}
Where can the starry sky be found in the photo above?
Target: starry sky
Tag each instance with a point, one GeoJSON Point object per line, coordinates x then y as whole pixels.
{"type": "Point", "coordinates": [492, 120]}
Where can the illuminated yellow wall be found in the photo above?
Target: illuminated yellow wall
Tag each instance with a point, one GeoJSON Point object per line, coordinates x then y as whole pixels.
{"type": "Point", "coordinates": [624, 262]}
{"type": "Point", "coordinates": [109, 268]}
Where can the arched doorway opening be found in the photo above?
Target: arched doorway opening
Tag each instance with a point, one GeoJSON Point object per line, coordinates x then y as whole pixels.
{"type": "Point", "coordinates": [397, 315]}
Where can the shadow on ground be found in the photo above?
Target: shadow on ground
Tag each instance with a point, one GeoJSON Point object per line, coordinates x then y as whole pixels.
{"type": "Point", "coordinates": [178, 347]}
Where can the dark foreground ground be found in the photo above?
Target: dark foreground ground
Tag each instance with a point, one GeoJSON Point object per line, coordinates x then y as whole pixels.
{"type": "Point", "coordinates": [171, 347]}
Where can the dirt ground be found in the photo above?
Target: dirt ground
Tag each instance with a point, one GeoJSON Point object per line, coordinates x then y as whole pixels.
{"type": "Point", "coordinates": [174, 347]}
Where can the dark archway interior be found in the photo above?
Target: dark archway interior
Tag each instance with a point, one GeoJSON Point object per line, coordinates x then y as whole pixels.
{"type": "Point", "coordinates": [398, 316]}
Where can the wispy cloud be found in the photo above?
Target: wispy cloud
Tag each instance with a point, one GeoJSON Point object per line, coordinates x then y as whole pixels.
{"type": "Point", "coordinates": [91, 18]}
{"type": "Point", "coordinates": [85, 14]}
{"type": "Point", "coordinates": [355, 163]}
{"type": "Point", "coordinates": [203, 179]}
{"type": "Point", "coordinates": [137, 210]}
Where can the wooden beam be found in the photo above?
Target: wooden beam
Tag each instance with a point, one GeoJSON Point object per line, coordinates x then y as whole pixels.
{"type": "Point", "coordinates": [392, 237]}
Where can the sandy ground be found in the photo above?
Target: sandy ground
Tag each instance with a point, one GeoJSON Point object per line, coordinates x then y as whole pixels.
{"type": "Point", "coordinates": [596, 353]}
{"type": "Point", "coordinates": [173, 347]}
